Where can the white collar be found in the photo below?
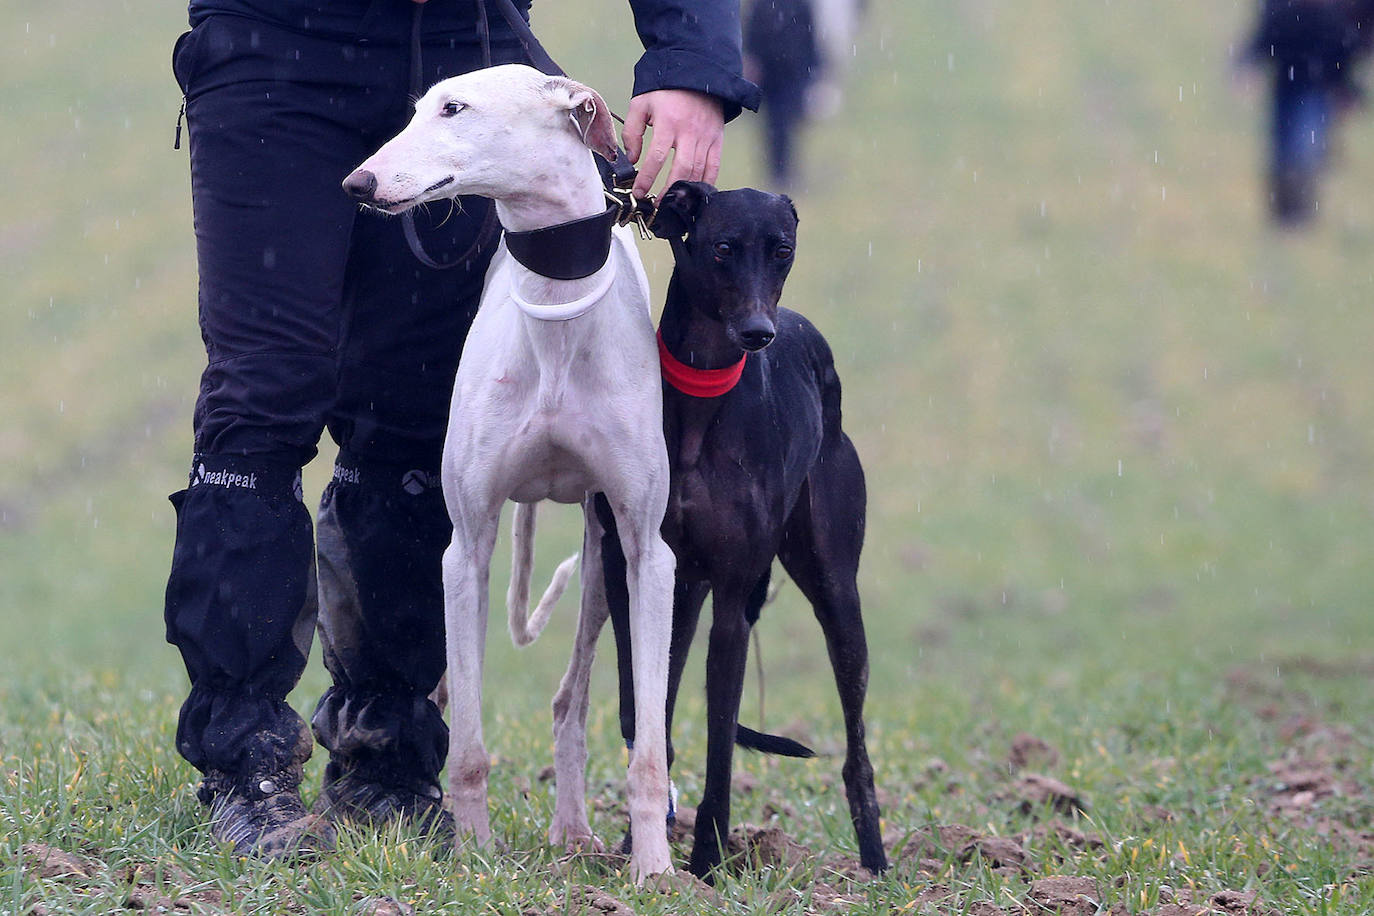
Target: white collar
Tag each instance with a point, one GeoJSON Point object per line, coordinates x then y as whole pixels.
{"type": "Point", "coordinates": [564, 311]}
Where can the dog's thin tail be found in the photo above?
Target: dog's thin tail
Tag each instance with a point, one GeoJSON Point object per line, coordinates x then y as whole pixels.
{"type": "Point", "coordinates": [770, 744]}
{"type": "Point", "coordinates": [525, 626]}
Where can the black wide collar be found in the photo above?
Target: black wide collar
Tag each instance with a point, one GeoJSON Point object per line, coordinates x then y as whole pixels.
{"type": "Point", "coordinates": [566, 251]}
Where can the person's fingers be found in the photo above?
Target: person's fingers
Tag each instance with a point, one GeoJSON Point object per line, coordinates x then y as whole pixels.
{"type": "Point", "coordinates": [689, 161]}
{"type": "Point", "coordinates": [632, 131]}
{"type": "Point", "coordinates": [653, 161]}
{"type": "Point", "coordinates": [712, 162]}
{"type": "Point", "coordinates": [686, 126]}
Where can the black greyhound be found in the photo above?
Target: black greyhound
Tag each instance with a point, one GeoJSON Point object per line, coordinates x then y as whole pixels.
{"type": "Point", "coordinates": [759, 470]}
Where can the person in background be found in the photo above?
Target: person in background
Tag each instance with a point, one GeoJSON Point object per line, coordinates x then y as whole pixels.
{"type": "Point", "coordinates": [784, 59]}
{"type": "Point", "coordinates": [1312, 48]}
{"type": "Point", "coordinates": [317, 315]}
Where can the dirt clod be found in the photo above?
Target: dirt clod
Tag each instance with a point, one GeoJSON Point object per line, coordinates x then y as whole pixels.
{"type": "Point", "coordinates": [1069, 895]}
{"type": "Point", "coordinates": [51, 862]}
{"type": "Point", "coordinates": [766, 847]}
{"type": "Point", "coordinates": [1030, 751]}
{"type": "Point", "coordinates": [1038, 791]}
{"type": "Point", "coordinates": [382, 906]}
{"type": "Point", "coordinates": [997, 851]}
{"type": "Point", "coordinates": [593, 900]}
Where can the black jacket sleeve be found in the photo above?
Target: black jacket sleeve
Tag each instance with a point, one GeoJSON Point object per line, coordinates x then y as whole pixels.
{"type": "Point", "coordinates": [693, 44]}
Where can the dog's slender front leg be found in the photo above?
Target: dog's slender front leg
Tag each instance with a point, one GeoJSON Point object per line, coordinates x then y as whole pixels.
{"type": "Point", "coordinates": [725, 664]}
{"type": "Point", "coordinates": [570, 827]}
{"type": "Point", "coordinates": [649, 565]}
{"type": "Point", "coordinates": [467, 564]}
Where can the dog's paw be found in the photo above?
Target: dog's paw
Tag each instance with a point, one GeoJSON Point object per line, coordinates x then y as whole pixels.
{"type": "Point", "coordinates": [580, 845]}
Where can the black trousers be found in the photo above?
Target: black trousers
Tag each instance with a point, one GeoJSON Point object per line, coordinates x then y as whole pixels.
{"type": "Point", "coordinates": [315, 315]}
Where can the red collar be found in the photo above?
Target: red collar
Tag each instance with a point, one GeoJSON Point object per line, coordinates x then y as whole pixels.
{"type": "Point", "coordinates": [697, 383]}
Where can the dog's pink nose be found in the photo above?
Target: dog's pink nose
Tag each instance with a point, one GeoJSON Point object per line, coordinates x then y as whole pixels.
{"type": "Point", "coordinates": [361, 185]}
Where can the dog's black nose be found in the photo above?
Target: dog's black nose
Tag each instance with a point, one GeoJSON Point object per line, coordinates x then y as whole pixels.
{"type": "Point", "coordinates": [361, 185]}
{"type": "Point", "coordinates": [756, 336]}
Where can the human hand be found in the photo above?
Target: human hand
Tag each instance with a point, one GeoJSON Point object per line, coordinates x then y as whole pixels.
{"type": "Point", "coordinates": [687, 123]}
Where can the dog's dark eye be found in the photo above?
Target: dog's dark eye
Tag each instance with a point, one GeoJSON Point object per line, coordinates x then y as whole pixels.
{"type": "Point", "coordinates": [451, 108]}
{"type": "Point", "coordinates": [783, 252]}
{"type": "Point", "coordinates": [722, 249]}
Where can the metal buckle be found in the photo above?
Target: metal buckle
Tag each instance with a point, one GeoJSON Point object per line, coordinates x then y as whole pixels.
{"type": "Point", "coordinates": [639, 211]}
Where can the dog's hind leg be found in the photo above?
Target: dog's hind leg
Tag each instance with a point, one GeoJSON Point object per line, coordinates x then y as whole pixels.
{"type": "Point", "coordinates": [467, 564]}
{"type": "Point", "coordinates": [820, 551]}
{"type": "Point", "coordinates": [570, 827]}
{"type": "Point", "coordinates": [688, 597]}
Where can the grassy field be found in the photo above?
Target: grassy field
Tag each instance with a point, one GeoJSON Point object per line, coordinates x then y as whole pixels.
{"type": "Point", "coordinates": [1120, 445]}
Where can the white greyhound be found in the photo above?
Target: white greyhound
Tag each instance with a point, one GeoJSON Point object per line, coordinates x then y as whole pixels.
{"type": "Point", "coordinates": [557, 397]}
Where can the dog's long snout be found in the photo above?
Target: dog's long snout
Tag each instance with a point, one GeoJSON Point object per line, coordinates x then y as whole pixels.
{"type": "Point", "coordinates": [361, 185]}
{"type": "Point", "coordinates": [756, 333]}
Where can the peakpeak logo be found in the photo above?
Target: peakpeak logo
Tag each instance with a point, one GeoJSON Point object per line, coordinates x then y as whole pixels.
{"type": "Point", "coordinates": [347, 475]}
{"type": "Point", "coordinates": [225, 478]}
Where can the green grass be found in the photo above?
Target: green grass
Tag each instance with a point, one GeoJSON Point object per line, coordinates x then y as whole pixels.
{"type": "Point", "coordinates": [1118, 437]}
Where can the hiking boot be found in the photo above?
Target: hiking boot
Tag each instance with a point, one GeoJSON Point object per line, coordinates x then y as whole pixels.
{"type": "Point", "coordinates": [263, 815]}
{"type": "Point", "coordinates": [375, 800]}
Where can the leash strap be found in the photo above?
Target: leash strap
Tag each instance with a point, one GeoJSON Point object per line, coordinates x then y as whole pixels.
{"type": "Point", "coordinates": [417, 85]}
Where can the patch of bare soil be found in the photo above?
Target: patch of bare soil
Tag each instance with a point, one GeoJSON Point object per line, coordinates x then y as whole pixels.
{"type": "Point", "coordinates": [1037, 791]}
{"type": "Point", "coordinates": [1053, 835]}
{"type": "Point", "coordinates": [765, 847]}
{"type": "Point", "coordinates": [818, 898]}
{"type": "Point", "coordinates": [51, 862]}
{"type": "Point", "coordinates": [1185, 902]}
{"type": "Point", "coordinates": [382, 906]}
{"type": "Point", "coordinates": [161, 889]}
{"type": "Point", "coordinates": [1029, 751]}
{"type": "Point", "coordinates": [684, 822]}
{"type": "Point", "coordinates": [1071, 896]}
{"type": "Point", "coordinates": [588, 900]}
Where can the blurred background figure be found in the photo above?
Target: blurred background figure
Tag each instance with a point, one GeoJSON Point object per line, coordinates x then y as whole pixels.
{"type": "Point", "coordinates": [836, 22]}
{"type": "Point", "coordinates": [781, 56]}
{"type": "Point", "coordinates": [798, 52]}
{"type": "Point", "coordinates": [1312, 48]}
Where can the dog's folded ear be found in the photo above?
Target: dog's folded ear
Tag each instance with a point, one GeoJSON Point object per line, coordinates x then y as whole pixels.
{"type": "Point", "coordinates": [679, 207]}
{"type": "Point", "coordinates": [589, 114]}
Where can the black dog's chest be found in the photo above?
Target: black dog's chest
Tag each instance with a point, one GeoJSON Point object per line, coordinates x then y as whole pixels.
{"type": "Point", "coordinates": [736, 474]}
